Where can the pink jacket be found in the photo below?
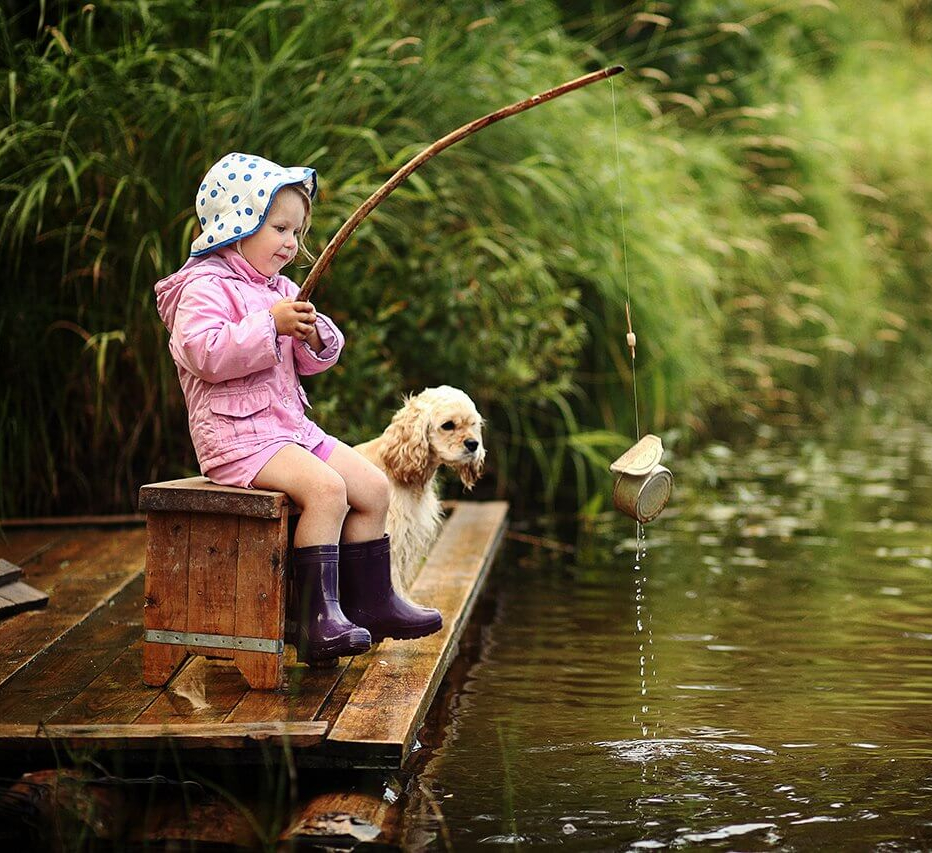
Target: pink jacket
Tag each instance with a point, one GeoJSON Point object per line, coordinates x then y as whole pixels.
{"type": "Point", "coordinates": [239, 377]}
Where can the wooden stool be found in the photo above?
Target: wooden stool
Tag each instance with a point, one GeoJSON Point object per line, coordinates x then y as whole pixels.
{"type": "Point", "coordinates": [216, 559]}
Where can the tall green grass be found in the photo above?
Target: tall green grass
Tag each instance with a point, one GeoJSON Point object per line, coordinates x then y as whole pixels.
{"type": "Point", "coordinates": [768, 186]}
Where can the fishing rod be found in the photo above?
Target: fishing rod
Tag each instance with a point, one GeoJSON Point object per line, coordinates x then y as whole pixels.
{"type": "Point", "coordinates": [323, 262]}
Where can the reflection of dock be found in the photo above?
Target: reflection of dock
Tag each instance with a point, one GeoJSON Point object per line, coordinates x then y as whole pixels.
{"type": "Point", "coordinates": [71, 680]}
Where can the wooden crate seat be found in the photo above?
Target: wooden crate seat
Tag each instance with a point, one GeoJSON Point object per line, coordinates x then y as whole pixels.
{"type": "Point", "coordinates": [216, 562]}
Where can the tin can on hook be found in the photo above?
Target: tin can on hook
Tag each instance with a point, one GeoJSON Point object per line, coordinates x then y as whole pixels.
{"type": "Point", "coordinates": [642, 485]}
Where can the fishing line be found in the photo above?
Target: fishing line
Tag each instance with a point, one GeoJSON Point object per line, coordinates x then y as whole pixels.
{"type": "Point", "coordinates": [643, 632]}
{"type": "Point", "coordinates": [624, 250]}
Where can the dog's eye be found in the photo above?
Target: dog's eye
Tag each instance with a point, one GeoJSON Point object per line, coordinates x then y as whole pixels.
{"type": "Point", "coordinates": [448, 425]}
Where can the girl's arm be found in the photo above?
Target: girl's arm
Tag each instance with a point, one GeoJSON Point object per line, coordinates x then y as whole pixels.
{"type": "Point", "coordinates": [310, 360]}
{"type": "Point", "coordinates": [321, 349]}
{"type": "Point", "coordinates": [206, 341]}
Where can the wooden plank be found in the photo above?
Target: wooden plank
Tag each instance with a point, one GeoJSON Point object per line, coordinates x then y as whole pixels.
{"type": "Point", "coordinates": [380, 718]}
{"type": "Point", "coordinates": [37, 691]}
{"type": "Point", "coordinates": [18, 597]}
{"type": "Point", "coordinates": [259, 610]}
{"type": "Point", "coordinates": [116, 695]}
{"type": "Point", "coordinates": [213, 548]}
{"type": "Point", "coordinates": [198, 494]}
{"type": "Point", "coordinates": [166, 591]}
{"type": "Point", "coordinates": [302, 696]}
{"type": "Point", "coordinates": [9, 572]}
{"type": "Point", "coordinates": [75, 520]}
{"type": "Point", "coordinates": [149, 736]}
{"type": "Point", "coordinates": [21, 546]}
{"type": "Point", "coordinates": [81, 575]}
{"type": "Point", "coordinates": [344, 820]}
{"type": "Point", "coordinates": [205, 691]}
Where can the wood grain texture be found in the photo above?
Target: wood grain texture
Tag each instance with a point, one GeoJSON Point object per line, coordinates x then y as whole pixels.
{"type": "Point", "coordinates": [147, 736]}
{"type": "Point", "coordinates": [166, 591]}
{"type": "Point", "coordinates": [81, 574]}
{"type": "Point", "coordinates": [204, 691]}
{"type": "Point", "coordinates": [53, 679]}
{"type": "Point", "coordinates": [17, 597]}
{"type": "Point", "coordinates": [381, 716]}
{"type": "Point", "coordinates": [22, 546]}
{"type": "Point", "coordinates": [9, 572]}
{"type": "Point", "coordinates": [198, 494]}
{"type": "Point", "coordinates": [116, 695]}
{"type": "Point", "coordinates": [260, 596]}
{"type": "Point", "coordinates": [213, 549]}
{"type": "Point", "coordinates": [344, 820]}
{"type": "Point", "coordinates": [301, 697]}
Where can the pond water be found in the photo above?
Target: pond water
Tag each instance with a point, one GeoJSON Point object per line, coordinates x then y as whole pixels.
{"type": "Point", "coordinates": [763, 680]}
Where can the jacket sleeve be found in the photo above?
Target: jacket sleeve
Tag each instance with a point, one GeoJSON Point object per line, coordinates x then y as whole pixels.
{"type": "Point", "coordinates": [206, 342]}
{"type": "Point", "coordinates": [309, 362]}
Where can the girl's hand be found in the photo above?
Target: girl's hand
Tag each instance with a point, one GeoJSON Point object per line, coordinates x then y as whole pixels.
{"type": "Point", "coordinates": [294, 318]}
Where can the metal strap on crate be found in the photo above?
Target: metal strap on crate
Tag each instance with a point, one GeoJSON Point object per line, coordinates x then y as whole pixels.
{"type": "Point", "coordinates": [216, 641]}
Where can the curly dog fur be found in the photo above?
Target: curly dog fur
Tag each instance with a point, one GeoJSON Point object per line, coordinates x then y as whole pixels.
{"type": "Point", "coordinates": [439, 426]}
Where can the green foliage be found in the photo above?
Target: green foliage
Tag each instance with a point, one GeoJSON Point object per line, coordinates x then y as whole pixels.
{"type": "Point", "coordinates": [765, 199]}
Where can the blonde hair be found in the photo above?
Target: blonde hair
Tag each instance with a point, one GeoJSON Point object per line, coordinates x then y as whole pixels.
{"type": "Point", "coordinates": [299, 190]}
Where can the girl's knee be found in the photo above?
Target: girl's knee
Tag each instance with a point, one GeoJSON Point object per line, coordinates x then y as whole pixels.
{"type": "Point", "coordinates": [375, 492]}
{"type": "Point", "coordinates": [381, 488]}
{"type": "Point", "coordinates": [324, 492]}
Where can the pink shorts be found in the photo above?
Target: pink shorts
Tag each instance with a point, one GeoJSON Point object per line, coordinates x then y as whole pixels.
{"type": "Point", "coordinates": [241, 472]}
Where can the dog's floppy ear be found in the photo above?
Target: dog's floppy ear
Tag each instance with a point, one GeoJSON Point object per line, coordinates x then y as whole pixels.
{"type": "Point", "coordinates": [407, 451]}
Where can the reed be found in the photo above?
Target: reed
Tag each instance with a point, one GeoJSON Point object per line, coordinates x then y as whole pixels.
{"type": "Point", "coordinates": [773, 173]}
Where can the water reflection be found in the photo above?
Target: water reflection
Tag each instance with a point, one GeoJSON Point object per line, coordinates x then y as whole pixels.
{"type": "Point", "coordinates": [776, 696]}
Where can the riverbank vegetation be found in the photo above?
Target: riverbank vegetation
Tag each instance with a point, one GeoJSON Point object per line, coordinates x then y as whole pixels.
{"type": "Point", "coordinates": [759, 178]}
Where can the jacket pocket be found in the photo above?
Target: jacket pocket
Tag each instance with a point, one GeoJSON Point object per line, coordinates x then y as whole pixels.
{"type": "Point", "coordinates": [242, 403]}
{"type": "Point", "coordinates": [240, 416]}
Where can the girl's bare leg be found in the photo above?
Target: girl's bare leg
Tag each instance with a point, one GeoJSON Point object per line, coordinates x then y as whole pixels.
{"type": "Point", "coordinates": [314, 486]}
{"type": "Point", "coordinates": [367, 491]}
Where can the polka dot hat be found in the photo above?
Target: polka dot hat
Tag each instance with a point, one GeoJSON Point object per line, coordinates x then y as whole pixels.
{"type": "Point", "coordinates": [236, 194]}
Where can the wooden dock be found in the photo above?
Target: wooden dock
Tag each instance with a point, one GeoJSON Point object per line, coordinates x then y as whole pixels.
{"type": "Point", "coordinates": [70, 675]}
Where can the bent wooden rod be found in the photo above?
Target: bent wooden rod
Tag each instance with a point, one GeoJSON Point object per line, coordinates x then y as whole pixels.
{"type": "Point", "coordinates": [321, 264]}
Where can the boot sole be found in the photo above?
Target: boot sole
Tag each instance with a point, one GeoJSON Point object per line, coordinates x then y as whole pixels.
{"type": "Point", "coordinates": [409, 633]}
{"type": "Point", "coordinates": [333, 650]}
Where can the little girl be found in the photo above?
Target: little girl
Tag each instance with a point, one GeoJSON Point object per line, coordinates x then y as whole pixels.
{"type": "Point", "coordinates": [240, 340]}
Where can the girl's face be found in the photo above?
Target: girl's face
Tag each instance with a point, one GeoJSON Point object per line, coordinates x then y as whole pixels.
{"type": "Point", "coordinates": [275, 244]}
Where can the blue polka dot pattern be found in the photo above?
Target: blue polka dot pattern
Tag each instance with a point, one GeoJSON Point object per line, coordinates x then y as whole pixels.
{"type": "Point", "coordinates": [235, 205]}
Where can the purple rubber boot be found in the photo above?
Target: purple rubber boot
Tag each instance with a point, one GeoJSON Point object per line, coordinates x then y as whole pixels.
{"type": "Point", "coordinates": [369, 599]}
{"type": "Point", "coordinates": [322, 630]}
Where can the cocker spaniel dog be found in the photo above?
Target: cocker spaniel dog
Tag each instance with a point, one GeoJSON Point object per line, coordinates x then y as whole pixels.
{"type": "Point", "coordinates": [439, 426]}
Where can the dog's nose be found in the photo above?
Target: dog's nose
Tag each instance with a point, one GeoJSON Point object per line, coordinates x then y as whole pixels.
{"type": "Point", "coordinates": [471, 444]}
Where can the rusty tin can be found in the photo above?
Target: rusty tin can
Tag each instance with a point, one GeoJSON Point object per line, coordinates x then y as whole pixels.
{"type": "Point", "coordinates": [642, 485]}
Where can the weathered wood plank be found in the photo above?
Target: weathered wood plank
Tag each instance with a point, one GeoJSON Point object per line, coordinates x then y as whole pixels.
{"type": "Point", "coordinates": [198, 494]}
{"type": "Point", "coordinates": [148, 736]}
{"type": "Point", "coordinates": [166, 591]}
{"type": "Point", "coordinates": [17, 597]}
{"type": "Point", "coordinates": [37, 691]}
{"type": "Point", "coordinates": [301, 698]}
{"type": "Point", "coordinates": [344, 820]}
{"type": "Point", "coordinates": [81, 575]}
{"type": "Point", "coordinates": [380, 718]}
{"type": "Point", "coordinates": [260, 598]}
{"type": "Point", "coordinates": [204, 691]}
{"type": "Point", "coordinates": [9, 572]}
{"type": "Point", "coordinates": [21, 546]}
{"type": "Point", "coordinates": [116, 695]}
{"type": "Point", "coordinates": [213, 547]}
